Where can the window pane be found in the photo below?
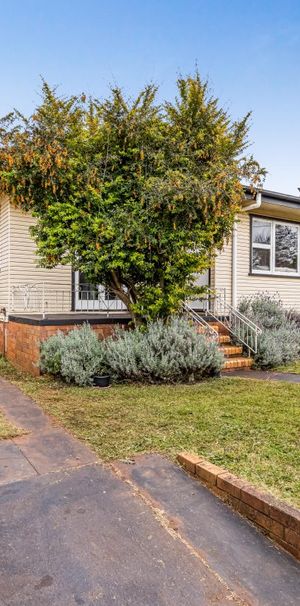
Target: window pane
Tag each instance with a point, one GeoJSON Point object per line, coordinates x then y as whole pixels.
{"type": "Point", "coordinates": [286, 247]}
{"type": "Point", "coordinates": [87, 292]}
{"type": "Point", "coordinates": [261, 259]}
{"type": "Point", "coordinates": [261, 231]}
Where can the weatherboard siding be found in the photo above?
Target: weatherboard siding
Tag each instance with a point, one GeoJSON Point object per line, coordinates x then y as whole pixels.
{"type": "Point", "coordinates": [24, 263]}
{"type": "Point", "coordinates": [19, 263]}
{"type": "Point", "coordinates": [4, 252]}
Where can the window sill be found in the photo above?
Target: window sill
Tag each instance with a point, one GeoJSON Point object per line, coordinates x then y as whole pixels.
{"type": "Point", "coordinates": [269, 275]}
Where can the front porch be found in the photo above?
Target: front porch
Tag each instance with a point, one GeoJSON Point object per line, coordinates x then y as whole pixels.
{"type": "Point", "coordinates": [37, 312]}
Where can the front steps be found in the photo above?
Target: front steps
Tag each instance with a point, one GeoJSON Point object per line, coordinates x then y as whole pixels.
{"type": "Point", "coordinates": [234, 357]}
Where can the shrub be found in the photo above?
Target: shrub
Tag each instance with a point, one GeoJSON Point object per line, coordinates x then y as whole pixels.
{"type": "Point", "coordinates": [264, 309]}
{"type": "Point", "coordinates": [277, 347]}
{"type": "Point", "coordinates": [52, 353]}
{"type": "Point", "coordinates": [165, 352]}
{"type": "Point", "coordinates": [279, 342]}
{"type": "Point", "coordinates": [76, 357]}
{"type": "Point", "coordinates": [83, 356]}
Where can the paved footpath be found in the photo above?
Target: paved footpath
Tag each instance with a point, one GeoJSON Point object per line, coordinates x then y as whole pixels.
{"type": "Point", "coordinates": [75, 532]}
{"type": "Point", "coordinates": [263, 375]}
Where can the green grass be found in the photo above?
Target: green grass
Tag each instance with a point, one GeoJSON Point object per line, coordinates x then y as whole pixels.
{"type": "Point", "coordinates": [292, 367]}
{"type": "Point", "coordinates": [250, 427]}
{"type": "Point", "coordinates": [7, 429]}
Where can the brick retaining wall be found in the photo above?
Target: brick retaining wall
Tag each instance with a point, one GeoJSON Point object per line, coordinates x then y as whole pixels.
{"type": "Point", "coordinates": [278, 520]}
{"type": "Point", "coordinates": [23, 339]}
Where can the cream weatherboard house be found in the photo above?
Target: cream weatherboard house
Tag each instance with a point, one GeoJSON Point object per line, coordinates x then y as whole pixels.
{"type": "Point", "coordinates": [263, 254]}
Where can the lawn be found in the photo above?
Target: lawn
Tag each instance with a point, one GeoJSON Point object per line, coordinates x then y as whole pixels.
{"type": "Point", "coordinates": [292, 367]}
{"type": "Point", "coordinates": [250, 427]}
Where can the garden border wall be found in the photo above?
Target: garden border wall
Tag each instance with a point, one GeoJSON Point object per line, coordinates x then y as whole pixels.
{"type": "Point", "coordinates": [278, 520]}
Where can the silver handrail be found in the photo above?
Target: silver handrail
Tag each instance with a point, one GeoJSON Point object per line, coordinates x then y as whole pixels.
{"type": "Point", "coordinates": [242, 328]}
{"type": "Point", "coordinates": [199, 320]}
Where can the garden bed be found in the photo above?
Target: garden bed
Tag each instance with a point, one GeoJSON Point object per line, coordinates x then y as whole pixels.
{"type": "Point", "coordinates": [252, 432]}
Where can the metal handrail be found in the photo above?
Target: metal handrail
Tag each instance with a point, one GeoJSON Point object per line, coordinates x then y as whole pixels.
{"type": "Point", "coordinates": [200, 321]}
{"type": "Point", "coordinates": [242, 328]}
{"type": "Point", "coordinates": [38, 297]}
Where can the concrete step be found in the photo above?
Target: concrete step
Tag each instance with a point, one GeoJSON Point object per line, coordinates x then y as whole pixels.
{"type": "Point", "coordinates": [237, 362]}
{"type": "Point", "coordinates": [231, 350]}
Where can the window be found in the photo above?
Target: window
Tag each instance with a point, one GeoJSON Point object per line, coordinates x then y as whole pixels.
{"type": "Point", "coordinates": [275, 247]}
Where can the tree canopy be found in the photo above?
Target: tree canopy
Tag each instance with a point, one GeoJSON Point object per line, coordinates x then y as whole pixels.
{"type": "Point", "coordinates": [136, 194]}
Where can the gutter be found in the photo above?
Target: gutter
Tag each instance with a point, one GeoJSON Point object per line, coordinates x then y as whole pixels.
{"type": "Point", "coordinates": [251, 206]}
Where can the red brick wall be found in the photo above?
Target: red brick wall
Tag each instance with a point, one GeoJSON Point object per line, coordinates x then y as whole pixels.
{"type": "Point", "coordinates": [2, 338]}
{"type": "Point", "coordinates": [23, 341]}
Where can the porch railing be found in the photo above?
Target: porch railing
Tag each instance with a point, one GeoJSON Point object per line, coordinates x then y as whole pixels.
{"type": "Point", "coordinates": [42, 298]}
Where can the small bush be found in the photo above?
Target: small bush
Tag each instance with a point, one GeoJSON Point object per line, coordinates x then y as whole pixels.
{"type": "Point", "coordinates": [277, 347]}
{"type": "Point", "coordinates": [52, 353]}
{"type": "Point", "coordinates": [76, 356]}
{"type": "Point", "coordinates": [83, 356]}
{"type": "Point", "coordinates": [165, 352]}
{"type": "Point", "coordinates": [264, 309]}
{"type": "Point", "coordinates": [279, 342]}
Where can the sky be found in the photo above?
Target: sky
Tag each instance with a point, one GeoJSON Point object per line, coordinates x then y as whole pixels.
{"type": "Point", "coordinates": [248, 49]}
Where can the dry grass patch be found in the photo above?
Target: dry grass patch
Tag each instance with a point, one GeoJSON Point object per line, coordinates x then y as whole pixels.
{"type": "Point", "coordinates": [7, 429]}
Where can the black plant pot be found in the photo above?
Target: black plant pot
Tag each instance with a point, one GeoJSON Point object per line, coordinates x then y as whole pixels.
{"type": "Point", "coordinates": [101, 380]}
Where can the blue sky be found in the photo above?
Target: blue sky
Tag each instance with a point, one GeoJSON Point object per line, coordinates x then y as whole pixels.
{"type": "Point", "coordinates": [249, 50]}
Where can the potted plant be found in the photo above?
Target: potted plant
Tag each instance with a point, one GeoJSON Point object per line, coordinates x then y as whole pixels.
{"type": "Point", "coordinates": [101, 380]}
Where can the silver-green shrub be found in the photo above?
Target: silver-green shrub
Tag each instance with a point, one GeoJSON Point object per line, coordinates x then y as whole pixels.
{"type": "Point", "coordinates": [277, 347]}
{"type": "Point", "coordinates": [279, 342]}
{"type": "Point", "coordinates": [165, 352]}
{"type": "Point", "coordinates": [51, 354]}
{"type": "Point", "coordinates": [83, 356]}
{"type": "Point", "coordinates": [264, 309]}
{"type": "Point", "coordinates": [76, 357]}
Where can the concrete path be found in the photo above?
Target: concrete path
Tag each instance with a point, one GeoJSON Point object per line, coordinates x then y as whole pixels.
{"type": "Point", "coordinates": [264, 375]}
{"type": "Point", "coordinates": [76, 532]}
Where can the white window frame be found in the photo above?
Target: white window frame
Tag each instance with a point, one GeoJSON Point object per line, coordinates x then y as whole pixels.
{"type": "Point", "coordinates": [271, 247]}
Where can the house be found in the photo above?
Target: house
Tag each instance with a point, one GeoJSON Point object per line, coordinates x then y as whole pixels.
{"type": "Point", "coordinates": [262, 255]}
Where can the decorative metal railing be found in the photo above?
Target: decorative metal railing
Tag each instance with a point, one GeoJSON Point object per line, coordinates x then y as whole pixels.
{"type": "Point", "coordinates": [240, 327]}
{"type": "Point", "coordinates": [40, 298]}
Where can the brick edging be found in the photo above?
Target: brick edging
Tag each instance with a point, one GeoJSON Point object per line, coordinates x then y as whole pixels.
{"type": "Point", "coordinates": [278, 520]}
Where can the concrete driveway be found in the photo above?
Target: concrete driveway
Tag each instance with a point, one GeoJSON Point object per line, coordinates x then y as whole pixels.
{"type": "Point", "coordinates": [76, 532]}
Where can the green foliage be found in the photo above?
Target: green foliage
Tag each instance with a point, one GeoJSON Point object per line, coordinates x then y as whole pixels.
{"type": "Point", "coordinates": [51, 354]}
{"type": "Point", "coordinates": [164, 352]}
{"type": "Point", "coordinates": [264, 309]}
{"type": "Point", "coordinates": [279, 342]}
{"type": "Point", "coordinates": [136, 195]}
{"type": "Point", "coordinates": [76, 357]}
{"type": "Point", "coordinates": [278, 346]}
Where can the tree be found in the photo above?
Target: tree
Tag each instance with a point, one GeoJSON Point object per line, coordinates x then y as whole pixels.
{"type": "Point", "coordinates": [136, 195]}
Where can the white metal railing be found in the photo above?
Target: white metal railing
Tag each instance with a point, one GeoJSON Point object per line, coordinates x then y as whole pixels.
{"type": "Point", "coordinates": [205, 328]}
{"type": "Point", "coordinates": [40, 298]}
{"type": "Point", "coordinates": [242, 328]}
